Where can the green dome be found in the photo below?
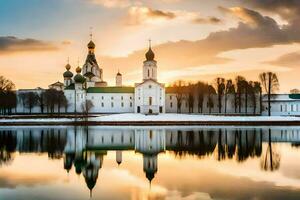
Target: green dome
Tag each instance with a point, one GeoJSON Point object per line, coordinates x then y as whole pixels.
{"type": "Point", "coordinates": [68, 74]}
{"type": "Point", "coordinates": [79, 78]}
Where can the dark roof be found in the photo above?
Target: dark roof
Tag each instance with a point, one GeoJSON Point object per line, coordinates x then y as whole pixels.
{"type": "Point", "coordinates": [110, 90]}
{"type": "Point", "coordinates": [150, 55]}
{"type": "Point", "coordinates": [294, 96]}
{"type": "Point", "coordinates": [79, 78]}
{"type": "Point", "coordinates": [70, 87]}
{"type": "Point", "coordinates": [68, 74]}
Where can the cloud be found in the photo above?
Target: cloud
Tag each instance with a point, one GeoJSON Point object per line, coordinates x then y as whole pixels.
{"type": "Point", "coordinates": [11, 44]}
{"type": "Point", "coordinates": [287, 9]}
{"type": "Point", "coordinates": [253, 31]}
{"type": "Point", "coordinates": [113, 3]}
{"type": "Point", "coordinates": [287, 60]}
{"type": "Point", "coordinates": [140, 15]}
{"type": "Point", "coordinates": [208, 20]}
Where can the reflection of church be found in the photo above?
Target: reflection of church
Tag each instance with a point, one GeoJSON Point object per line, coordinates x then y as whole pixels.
{"type": "Point", "coordinates": [84, 148]}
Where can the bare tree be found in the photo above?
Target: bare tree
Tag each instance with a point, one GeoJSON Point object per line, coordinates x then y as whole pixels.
{"type": "Point", "coordinates": [295, 91]}
{"type": "Point", "coordinates": [239, 89]}
{"type": "Point", "coordinates": [220, 88]}
{"type": "Point", "coordinates": [30, 100]}
{"type": "Point", "coordinates": [179, 90]}
{"type": "Point", "coordinates": [8, 98]}
{"type": "Point", "coordinates": [201, 90]}
{"type": "Point", "coordinates": [210, 101]}
{"type": "Point", "coordinates": [270, 84]}
{"type": "Point", "coordinates": [86, 107]}
{"type": "Point", "coordinates": [229, 89]}
{"type": "Point", "coordinates": [271, 160]}
{"type": "Point", "coordinates": [190, 96]}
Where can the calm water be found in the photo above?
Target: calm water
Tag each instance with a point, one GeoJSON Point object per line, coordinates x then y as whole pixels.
{"type": "Point", "coordinates": [149, 163]}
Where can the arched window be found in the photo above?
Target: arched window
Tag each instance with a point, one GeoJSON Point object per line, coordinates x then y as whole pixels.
{"type": "Point", "coordinates": [150, 101]}
{"type": "Point", "coordinates": [148, 73]}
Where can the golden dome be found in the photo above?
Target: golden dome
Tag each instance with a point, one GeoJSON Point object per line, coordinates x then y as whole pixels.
{"type": "Point", "coordinates": [68, 67]}
{"type": "Point", "coordinates": [78, 69]}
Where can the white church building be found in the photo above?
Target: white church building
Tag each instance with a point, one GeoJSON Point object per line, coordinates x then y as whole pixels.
{"type": "Point", "coordinates": [148, 96]}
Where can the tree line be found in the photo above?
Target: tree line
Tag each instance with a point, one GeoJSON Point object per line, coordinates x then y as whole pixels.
{"type": "Point", "coordinates": [8, 99]}
{"type": "Point", "coordinates": [244, 92]}
{"type": "Point", "coordinates": [46, 100]}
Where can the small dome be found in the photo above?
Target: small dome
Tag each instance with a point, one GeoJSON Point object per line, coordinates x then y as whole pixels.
{"type": "Point", "coordinates": [79, 78]}
{"type": "Point", "coordinates": [68, 74]}
{"type": "Point", "coordinates": [119, 74]}
{"type": "Point", "coordinates": [68, 66]}
{"type": "Point", "coordinates": [150, 55]}
{"type": "Point", "coordinates": [78, 69]}
{"type": "Point", "coordinates": [91, 45]}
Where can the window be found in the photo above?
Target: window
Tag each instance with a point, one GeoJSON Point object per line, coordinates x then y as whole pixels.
{"type": "Point", "coordinates": [130, 104]}
{"type": "Point", "coordinates": [102, 97]}
{"type": "Point", "coordinates": [150, 86]}
{"type": "Point", "coordinates": [102, 104]}
{"type": "Point", "coordinates": [285, 108]}
{"type": "Point", "coordinates": [122, 98]}
{"type": "Point", "coordinates": [122, 104]}
{"type": "Point", "coordinates": [170, 97]}
{"type": "Point", "coordinates": [150, 101]}
{"type": "Point", "coordinates": [112, 98]}
{"type": "Point", "coordinates": [148, 73]}
{"type": "Point", "coordinates": [112, 104]}
{"type": "Point", "coordinates": [130, 97]}
{"type": "Point", "coordinates": [171, 104]}
{"type": "Point", "coordinates": [281, 109]}
{"type": "Point", "coordinates": [292, 108]}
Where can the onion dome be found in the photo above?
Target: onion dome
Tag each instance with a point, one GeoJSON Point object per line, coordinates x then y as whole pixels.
{"type": "Point", "coordinates": [78, 69]}
{"type": "Point", "coordinates": [78, 77]}
{"type": "Point", "coordinates": [68, 66]}
{"type": "Point", "coordinates": [68, 74]}
{"type": "Point", "coordinates": [91, 45]}
{"type": "Point", "coordinates": [150, 55]}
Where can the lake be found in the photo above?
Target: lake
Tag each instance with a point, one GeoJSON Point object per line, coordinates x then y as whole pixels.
{"type": "Point", "coordinates": [149, 163]}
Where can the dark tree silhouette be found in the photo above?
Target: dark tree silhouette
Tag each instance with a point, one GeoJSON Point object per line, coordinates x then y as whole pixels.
{"type": "Point", "coordinates": [270, 84]}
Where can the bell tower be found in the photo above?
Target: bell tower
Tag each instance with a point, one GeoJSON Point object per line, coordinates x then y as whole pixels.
{"type": "Point", "coordinates": [150, 65]}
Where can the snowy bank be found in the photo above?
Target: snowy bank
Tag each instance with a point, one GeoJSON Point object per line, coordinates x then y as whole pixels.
{"type": "Point", "coordinates": [189, 117]}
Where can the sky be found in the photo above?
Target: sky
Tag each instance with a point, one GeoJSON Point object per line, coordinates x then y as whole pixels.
{"type": "Point", "coordinates": [192, 39]}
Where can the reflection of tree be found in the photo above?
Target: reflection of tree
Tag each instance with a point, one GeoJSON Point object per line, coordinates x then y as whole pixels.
{"type": "Point", "coordinates": [271, 159]}
{"type": "Point", "coordinates": [7, 147]}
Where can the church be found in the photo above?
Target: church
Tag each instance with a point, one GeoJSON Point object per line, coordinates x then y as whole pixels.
{"type": "Point", "coordinates": [147, 97]}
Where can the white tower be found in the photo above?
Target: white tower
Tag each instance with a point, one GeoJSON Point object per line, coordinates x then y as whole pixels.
{"type": "Point", "coordinates": [150, 67]}
{"type": "Point", "coordinates": [119, 79]}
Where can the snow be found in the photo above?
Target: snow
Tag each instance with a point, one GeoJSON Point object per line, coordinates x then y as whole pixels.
{"type": "Point", "coordinates": [134, 117]}
{"type": "Point", "coordinates": [189, 117]}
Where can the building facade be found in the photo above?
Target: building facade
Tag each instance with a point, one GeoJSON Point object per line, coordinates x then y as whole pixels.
{"type": "Point", "coordinates": [147, 97]}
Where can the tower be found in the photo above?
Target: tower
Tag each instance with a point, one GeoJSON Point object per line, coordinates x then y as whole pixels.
{"type": "Point", "coordinates": [119, 79]}
{"type": "Point", "coordinates": [150, 65]}
{"type": "Point", "coordinates": [68, 75]}
{"type": "Point", "coordinates": [91, 70]}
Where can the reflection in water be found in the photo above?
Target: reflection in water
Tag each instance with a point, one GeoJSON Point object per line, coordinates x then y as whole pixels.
{"type": "Point", "coordinates": [84, 148]}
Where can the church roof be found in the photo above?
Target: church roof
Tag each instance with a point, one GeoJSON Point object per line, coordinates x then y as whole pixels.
{"type": "Point", "coordinates": [68, 74]}
{"type": "Point", "coordinates": [70, 87]}
{"type": "Point", "coordinates": [110, 90]}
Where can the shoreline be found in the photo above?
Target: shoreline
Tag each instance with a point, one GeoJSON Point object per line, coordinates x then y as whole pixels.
{"type": "Point", "coordinates": [132, 119]}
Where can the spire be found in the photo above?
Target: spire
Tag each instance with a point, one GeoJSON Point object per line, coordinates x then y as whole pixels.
{"type": "Point", "coordinates": [150, 55]}
{"type": "Point", "coordinates": [91, 44]}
